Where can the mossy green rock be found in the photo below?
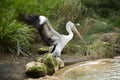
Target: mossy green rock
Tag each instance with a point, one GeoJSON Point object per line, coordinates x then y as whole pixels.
{"type": "Point", "coordinates": [43, 50]}
{"type": "Point", "coordinates": [42, 66]}
{"type": "Point", "coordinates": [36, 69]}
{"type": "Point", "coordinates": [51, 63]}
{"type": "Point", "coordinates": [38, 59]}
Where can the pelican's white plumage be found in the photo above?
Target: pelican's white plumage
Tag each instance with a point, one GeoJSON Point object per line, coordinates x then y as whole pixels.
{"type": "Point", "coordinates": [63, 39]}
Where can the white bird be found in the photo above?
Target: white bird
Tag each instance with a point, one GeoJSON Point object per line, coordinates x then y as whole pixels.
{"type": "Point", "coordinates": [50, 36]}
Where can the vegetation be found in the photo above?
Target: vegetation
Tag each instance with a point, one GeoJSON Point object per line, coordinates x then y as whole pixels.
{"type": "Point", "coordinates": [15, 37]}
{"type": "Point", "coordinates": [99, 49]}
{"type": "Point", "coordinates": [94, 16]}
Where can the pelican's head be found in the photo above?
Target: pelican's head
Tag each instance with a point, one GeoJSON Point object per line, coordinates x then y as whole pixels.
{"type": "Point", "coordinates": [43, 20]}
{"type": "Point", "coordinates": [74, 29]}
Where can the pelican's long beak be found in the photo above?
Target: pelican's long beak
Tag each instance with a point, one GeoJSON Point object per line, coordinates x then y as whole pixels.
{"type": "Point", "coordinates": [76, 31]}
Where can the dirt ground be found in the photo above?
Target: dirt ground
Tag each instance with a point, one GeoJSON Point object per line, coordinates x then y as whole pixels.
{"type": "Point", "coordinates": [13, 68]}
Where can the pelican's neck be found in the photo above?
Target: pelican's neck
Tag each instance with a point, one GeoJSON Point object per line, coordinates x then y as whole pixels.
{"type": "Point", "coordinates": [70, 33]}
{"type": "Point", "coordinates": [49, 23]}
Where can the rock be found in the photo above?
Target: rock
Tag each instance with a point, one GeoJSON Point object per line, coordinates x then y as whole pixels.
{"type": "Point", "coordinates": [45, 78]}
{"type": "Point", "coordinates": [43, 50]}
{"type": "Point", "coordinates": [60, 62]}
{"type": "Point", "coordinates": [47, 64]}
{"type": "Point", "coordinates": [111, 37]}
{"type": "Point", "coordinates": [51, 63]}
{"type": "Point", "coordinates": [29, 65]}
{"type": "Point", "coordinates": [38, 59]}
{"type": "Point", "coordinates": [36, 69]}
{"type": "Point", "coordinates": [58, 59]}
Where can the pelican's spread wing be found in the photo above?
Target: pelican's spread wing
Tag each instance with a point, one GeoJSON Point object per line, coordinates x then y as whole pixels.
{"type": "Point", "coordinates": [49, 35]}
{"type": "Point", "coordinates": [53, 30]}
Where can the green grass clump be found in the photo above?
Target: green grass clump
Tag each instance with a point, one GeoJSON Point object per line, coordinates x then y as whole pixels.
{"type": "Point", "coordinates": [98, 49]}
{"type": "Point", "coordinates": [93, 26]}
{"type": "Point", "coordinates": [15, 37]}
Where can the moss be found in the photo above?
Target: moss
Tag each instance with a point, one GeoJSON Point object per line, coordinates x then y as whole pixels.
{"type": "Point", "coordinates": [37, 71]}
{"type": "Point", "coordinates": [51, 63]}
{"type": "Point", "coordinates": [42, 66]}
{"type": "Point", "coordinates": [42, 50]}
{"type": "Point", "coordinates": [38, 59]}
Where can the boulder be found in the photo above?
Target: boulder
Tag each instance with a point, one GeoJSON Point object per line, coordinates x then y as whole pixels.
{"type": "Point", "coordinates": [38, 59]}
{"type": "Point", "coordinates": [46, 65]}
{"type": "Point", "coordinates": [43, 50]}
{"type": "Point", "coordinates": [36, 69]}
{"type": "Point", "coordinates": [113, 38]}
{"type": "Point", "coordinates": [51, 63]}
{"type": "Point", "coordinates": [60, 62]}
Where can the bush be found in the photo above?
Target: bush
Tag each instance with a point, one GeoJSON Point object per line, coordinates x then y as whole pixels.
{"type": "Point", "coordinates": [15, 37]}
{"type": "Point", "coordinates": [98, 49]}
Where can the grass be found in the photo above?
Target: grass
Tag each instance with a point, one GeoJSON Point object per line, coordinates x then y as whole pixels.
{"type": "Point", "coordinates": [98, 49]}
{"type": "Point", "coordinates": [93, 26]}
{"type": "Point", "coordinates": [95, 47]}
{"type": "Point", "coordinates": [15, 37]}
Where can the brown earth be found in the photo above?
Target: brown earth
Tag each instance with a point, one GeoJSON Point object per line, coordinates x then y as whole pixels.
{"type": "Point", "coordinates": [13, 68]}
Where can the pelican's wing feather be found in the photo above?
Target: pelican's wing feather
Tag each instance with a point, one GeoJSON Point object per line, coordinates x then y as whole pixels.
{"type": "Point", "coordinates": [53, 30]}
{"type": "Point", "coordinates": [49, 35]}
{"type": "Point", "coordinates": [54, 34]}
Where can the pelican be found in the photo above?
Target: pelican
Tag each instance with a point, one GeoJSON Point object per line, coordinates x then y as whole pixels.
{"type": "Point", "coordinates": [50, 36]}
